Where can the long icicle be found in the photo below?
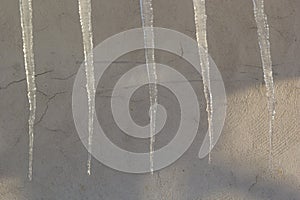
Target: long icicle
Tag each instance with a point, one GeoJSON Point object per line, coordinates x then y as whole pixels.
{"type": "Point", "coordinates": [27, 35]}
{"type": "Point", "coordinates": [147, 24]}
{"type": "Point", "coordinates": [87, 37]}
{"type": "Point", "coordinates": [265, 52]}
{"type": "Point", "coordinates": [201, 34]}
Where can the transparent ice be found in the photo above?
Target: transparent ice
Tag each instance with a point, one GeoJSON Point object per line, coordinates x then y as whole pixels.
{"type": "Point", "coordinates": [265, 52]}
{"type": "Point", "coordinates": [87, 38]}
{"type": "Point", "coordinates": [201, 35]}
{"type": "Point", "coordinates": [147, 24]}
{"type": "Point", "coordinates": [27, 36]}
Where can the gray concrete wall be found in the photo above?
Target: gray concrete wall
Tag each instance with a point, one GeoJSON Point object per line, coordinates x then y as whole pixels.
{"type": "Point", "coordinates": [239, 168]}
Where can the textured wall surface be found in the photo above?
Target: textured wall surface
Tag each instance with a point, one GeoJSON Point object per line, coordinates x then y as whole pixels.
{"type": "Point", "coordinates": [239, 168]}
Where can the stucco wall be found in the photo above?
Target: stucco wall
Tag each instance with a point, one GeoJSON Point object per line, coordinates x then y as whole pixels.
{"type": "Point", "coordinates": [239, 168]}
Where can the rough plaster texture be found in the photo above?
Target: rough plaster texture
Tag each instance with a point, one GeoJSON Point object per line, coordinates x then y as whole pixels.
{"type": "Point", "coordinates": [239, 168]}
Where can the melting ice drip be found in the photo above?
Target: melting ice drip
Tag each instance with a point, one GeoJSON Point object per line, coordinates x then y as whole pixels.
{"type": "Point", "coordinates": [87, 36]}
{"type": "Point", "coordinates": [264, 43]}
{"type": "Point", "coordinates": [147, 23]}
{"type": "Point", "coordinates": [27, 35]}
{"type": "Point", "coordinates": [201, 34]}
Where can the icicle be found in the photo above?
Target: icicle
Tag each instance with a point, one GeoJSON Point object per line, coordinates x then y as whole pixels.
{"type": "Point", "coordinates": [147, 23]}
{"type": "Point", "coordinates": [87, 35]}
{"type": "Point", "coordinates": [201, 34]}
{"type": "Point", "coordinates": [264, 43]}
{"type": "Point", "coordinates": [27, 35]}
